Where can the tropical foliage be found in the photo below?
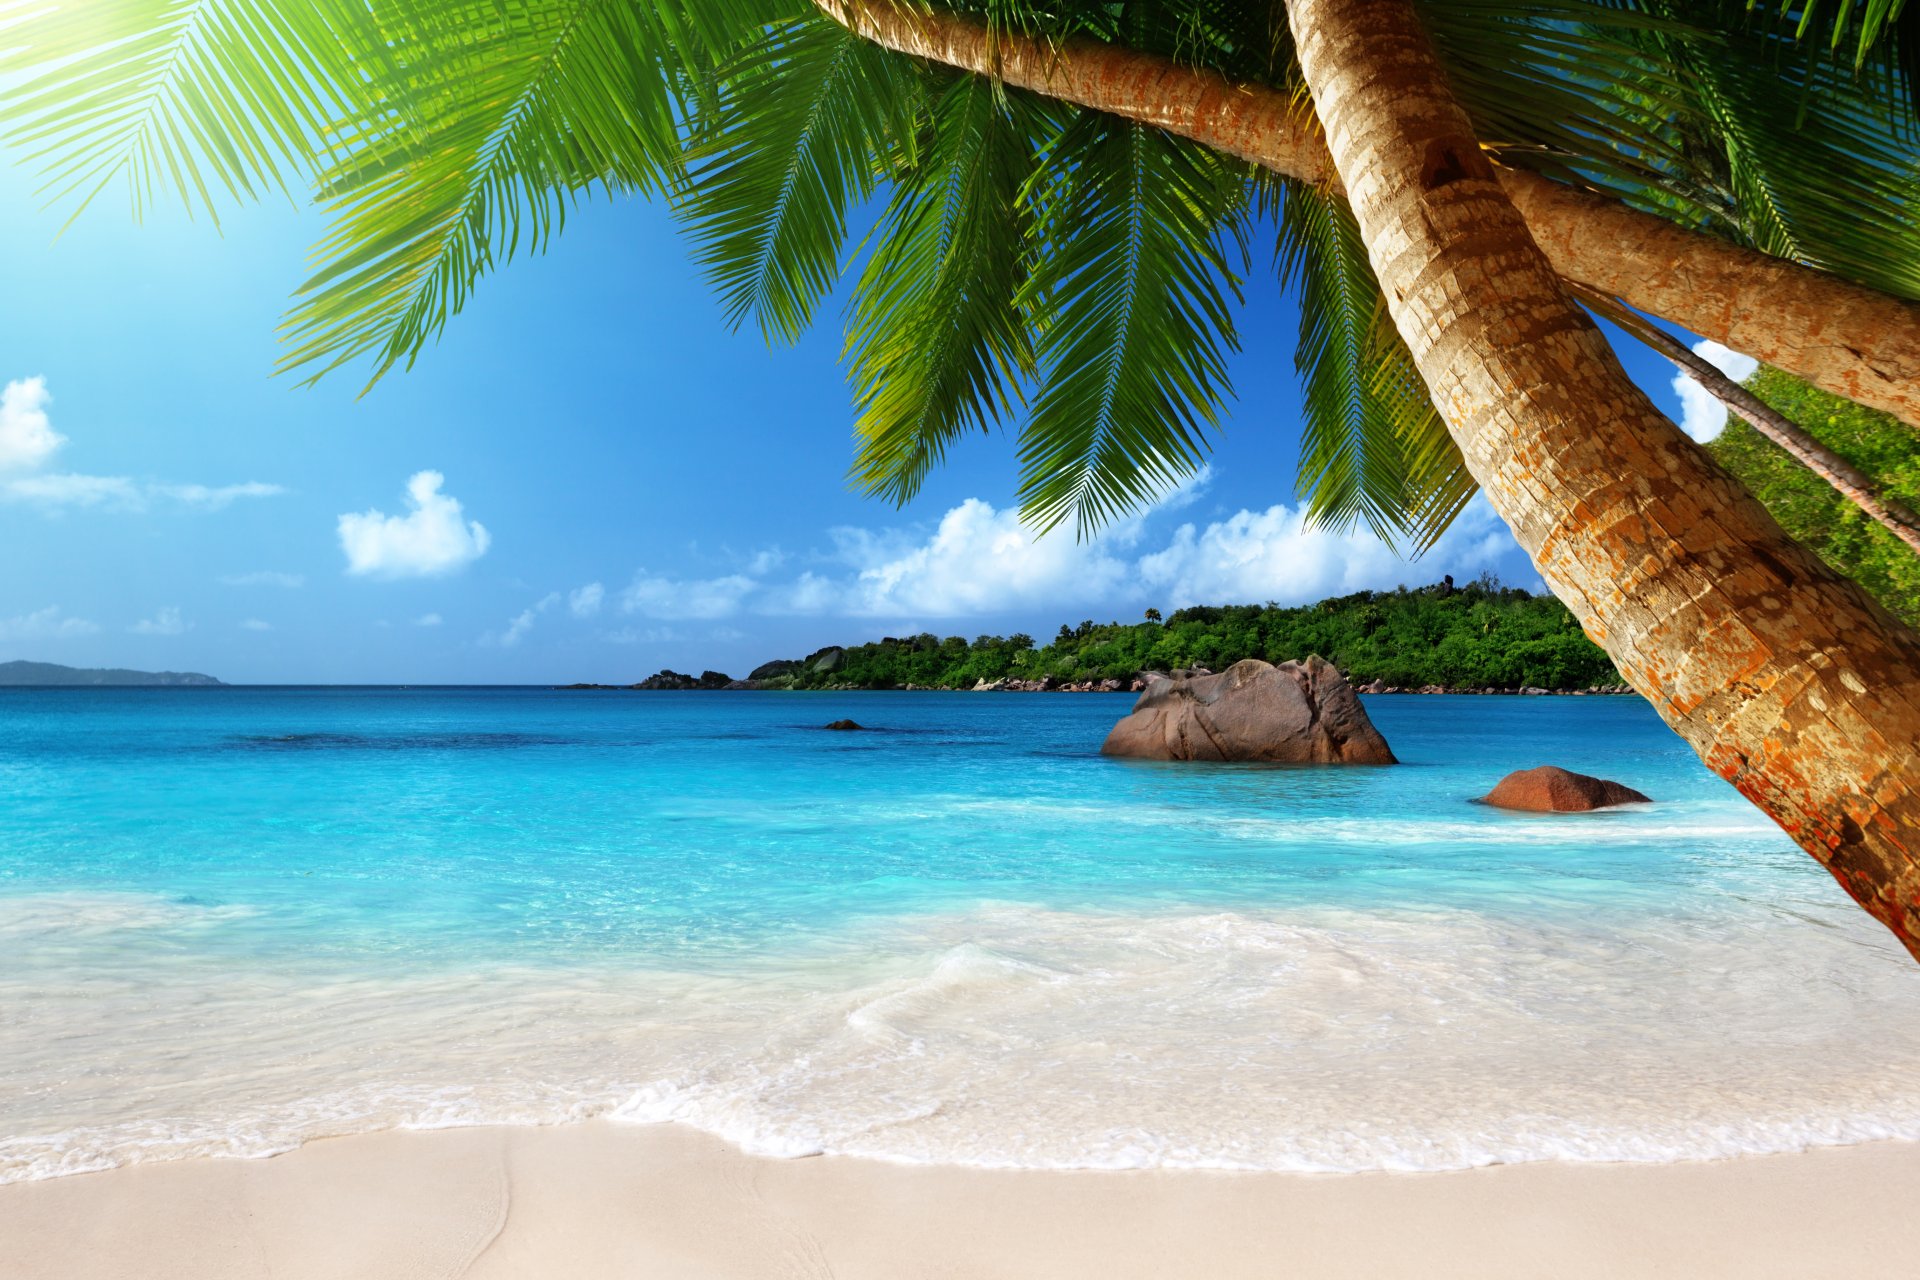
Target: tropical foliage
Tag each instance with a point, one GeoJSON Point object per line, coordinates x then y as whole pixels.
{"type": "Point", "coordinates": [1071, 274]}
{"type": "Point", "coordinates": [1809, 509]}
{"type": "Point", "coordinates": [1482, 635]}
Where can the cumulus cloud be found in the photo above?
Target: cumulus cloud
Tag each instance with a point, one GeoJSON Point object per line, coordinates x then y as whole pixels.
{"type": "Point", "coordinates": [256, 624]}
{"type": "Point", "coordinates": [264, 578]}
{"type": "Point", "coordinates": [654, 596]}
{"type": "Point", "coordinates": [167, 622]}
{"type": "Point", "coordinates": [1275, 555]}
{"type": "Point", "coordinates": [978, 560]}
{"type": "Point", "coordinates": [1701, 415]}
{"type": "Point", "coordinates": [430, 539]}
{"type": "Point", "coordinates": [49, 623]}
{"type": "Point", "coordinates": [27, 437]}
{"type": "Point", "coordinates": [982, 561]}
{"type": "Point", "coordinates": [584, 602]}
{"type": "Point", "coordinates": [427, 620]}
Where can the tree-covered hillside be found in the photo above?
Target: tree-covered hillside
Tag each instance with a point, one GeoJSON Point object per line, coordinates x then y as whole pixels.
{"type": "Point", "coordinates": [1810, 509]}
{"type": "Point", "coordinates": [1481, 635]}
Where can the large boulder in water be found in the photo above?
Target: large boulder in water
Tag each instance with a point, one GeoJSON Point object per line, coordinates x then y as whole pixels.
{"type": "Point", "coordinates": [1549, 789]}
{"type": "Point", "coordinates": [1295, 713]}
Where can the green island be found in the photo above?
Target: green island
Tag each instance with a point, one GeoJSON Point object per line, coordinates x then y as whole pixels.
{"type": "Point", "coordinates": [1480, 636]}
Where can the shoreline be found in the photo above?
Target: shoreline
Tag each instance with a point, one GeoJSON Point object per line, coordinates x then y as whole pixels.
{"type": "Point", "coordinates": [600, 1199]}
{"type": "Point", "coordinates": [1039, 686]}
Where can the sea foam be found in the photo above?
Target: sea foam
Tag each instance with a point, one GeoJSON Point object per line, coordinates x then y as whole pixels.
{"type": "Point", "coordinates": [1015, 1037]}
{"type": "Point", "coordinates": [982, 945]}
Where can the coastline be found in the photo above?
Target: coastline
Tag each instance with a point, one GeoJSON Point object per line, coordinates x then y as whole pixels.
{"type": "Point", "coordinates": [1132, 688]}
{"type": "Point", "coordinates": [597, 1199]}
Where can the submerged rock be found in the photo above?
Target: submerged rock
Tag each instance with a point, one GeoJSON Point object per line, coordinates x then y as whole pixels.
{"type": "Point", "coordinates": [844, 725]}
{"type": "Point", "coordinates": [1549, 789]}
{"type": "Point", "coordinates": [1295, 713]}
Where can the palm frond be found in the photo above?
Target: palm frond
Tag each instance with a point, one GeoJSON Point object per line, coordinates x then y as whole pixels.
{"type": "Point", "coordinates": [1372, 447]}
{"type": "Point", "coordinates": [1814, 156]}
{"type": "Point", "coordinates": [806, 117]}
{"type": "Point", "coordinates": [936, 341]}
{"type": "Point", "coordinates": [497, 118]}
{"type": "Point", "coordinates": [1865, 25]}
{"type": "Point", "coordinates": [216, 100]}
{"type": "Point", "coordinates": [1131, 301]}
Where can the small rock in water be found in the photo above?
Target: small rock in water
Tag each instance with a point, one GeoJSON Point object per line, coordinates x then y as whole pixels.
{"type": "Point", "coordinates": [845, 724]}
{"type": "Point", "coordinates": [1549, 789]}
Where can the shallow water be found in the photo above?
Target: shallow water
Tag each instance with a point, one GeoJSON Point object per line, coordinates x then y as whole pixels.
{"type": "Point", "coordinates": [236, 920]}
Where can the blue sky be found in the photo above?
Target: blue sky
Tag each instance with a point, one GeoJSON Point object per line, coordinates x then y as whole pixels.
{"type": "Point", "coordinates": [588, 478]}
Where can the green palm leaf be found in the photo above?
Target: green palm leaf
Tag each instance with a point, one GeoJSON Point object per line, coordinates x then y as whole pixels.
{"type": "Point", "coordinates": [806, 117]}
{"type": "Point", "coordinates": [1372, 446]}
{"type": "Point", "coordinates": [209, 98]}
{"type": "Point", "coordinates": [498, 118]}
{"type": "Point", "coordinates": [936, 340]}
{"type": "Point", "coordinates": [1131, 303]}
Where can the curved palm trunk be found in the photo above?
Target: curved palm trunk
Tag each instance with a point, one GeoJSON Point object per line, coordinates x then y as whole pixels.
{"type": "Point", "coordinates": [1784, 677]}
{"type": "Point", "coordinates": [1847, 480]}
{"type": "Point", "coordinates": [1842, 337]}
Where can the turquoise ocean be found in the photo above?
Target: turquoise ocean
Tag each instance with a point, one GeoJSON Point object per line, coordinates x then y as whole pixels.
{"type": "Point", "coordinates": [235, 920]}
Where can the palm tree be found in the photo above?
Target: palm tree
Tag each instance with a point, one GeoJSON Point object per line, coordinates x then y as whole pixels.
{"type": "Point", "coordinates": [1741, 172]}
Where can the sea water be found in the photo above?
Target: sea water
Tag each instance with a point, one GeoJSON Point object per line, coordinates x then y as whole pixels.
{"type": "Point", "coordinates": [234, 920]}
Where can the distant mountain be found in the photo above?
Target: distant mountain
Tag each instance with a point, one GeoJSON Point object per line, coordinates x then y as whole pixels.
{"type": "Point", "coordinates": [52, 673]}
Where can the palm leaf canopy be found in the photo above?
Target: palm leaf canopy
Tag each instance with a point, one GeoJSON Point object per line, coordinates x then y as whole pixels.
{"type": "Point", "coordinates": [1019, 260]}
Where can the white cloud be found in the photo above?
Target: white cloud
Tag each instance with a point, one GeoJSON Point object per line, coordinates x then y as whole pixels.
{"type": "Point", "coordinates": [46, 624]}
{"type": "Point", "coordinates": [427, 620]}
{"type": "Point", "coordinates": [521, 623]}
{"type": "Point", "coordinates": [167, 622]}
{"type": "Point", "coordinates": [66, 489]}
{"type": "Point", "coordinates": [765, 562]}
{"type": "Point", "coordinates": [27, 437]}
{"type": "Point", "coordinates": [643, 635]}
{"type": "Point", "coordinates": [1701, 415]}
{"type": "Point", "coordinates": [980, 561]}
{"type": "Point", "coordinates": [430, 539]}
{"type": "Point", "coordinates": [264, 578]}
{"type": "Point", "coordinates": [255, 624]}
{"type": "Point", "coordinates": [517, 629]}
{"type": "Point", "coordinates": [652, 596]}
{"type": "Point", "coordinates": [1252, 557]}
{"type": "Point", "coordinates": [217, 498]}
{"type": "Point", "coordinates": [584, 602]}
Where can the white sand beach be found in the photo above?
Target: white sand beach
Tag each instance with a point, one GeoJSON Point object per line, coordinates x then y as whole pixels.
{"type": "Point", "coordinates": [598, 1200]}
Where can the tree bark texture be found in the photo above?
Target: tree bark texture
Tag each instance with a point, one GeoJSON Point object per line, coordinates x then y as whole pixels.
{"type": "Point", "coordinates": [1784, 677]}
{"type": "Point", "coordinates": [1843, 337]}
{"type": "Point", "coordinates": [1847, 480]}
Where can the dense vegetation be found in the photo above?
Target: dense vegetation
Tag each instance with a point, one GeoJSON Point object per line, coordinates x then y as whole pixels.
{"type": "Point", "coordinates": [1477, 636]}
{"type": "Point", "coordinates": [1809, 508]}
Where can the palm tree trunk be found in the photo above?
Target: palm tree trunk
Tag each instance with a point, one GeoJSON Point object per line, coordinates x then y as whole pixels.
{"type": "Point", "coordinates": [1851, 483]}
{"type": "Point", "coordinates": [1842, 337]}
{"type": "Point", "coordinates": [1785, 678]}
